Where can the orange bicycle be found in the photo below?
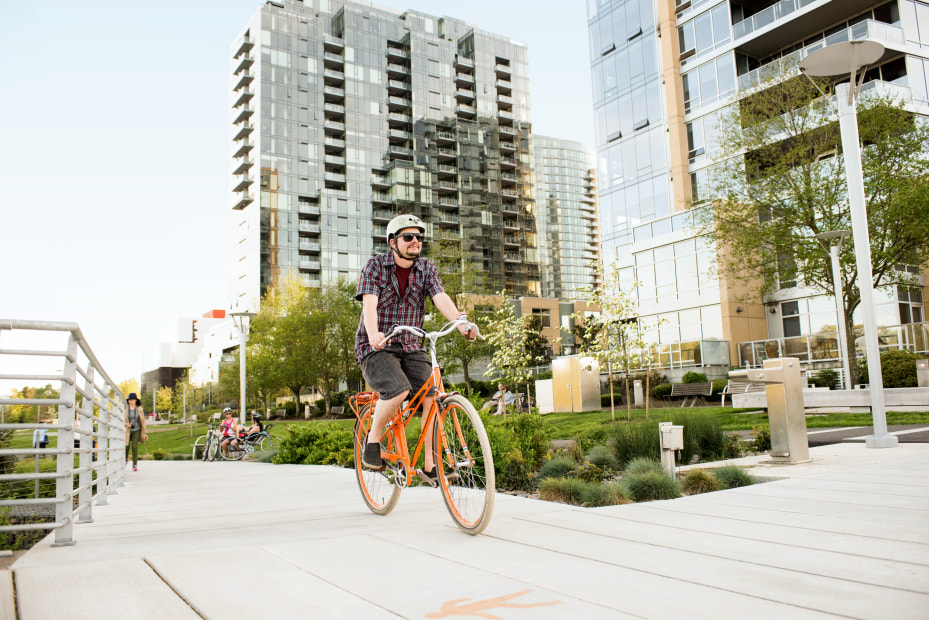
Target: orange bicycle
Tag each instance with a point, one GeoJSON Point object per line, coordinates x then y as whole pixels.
{"type": "Point", "coordinates": [464, 463]}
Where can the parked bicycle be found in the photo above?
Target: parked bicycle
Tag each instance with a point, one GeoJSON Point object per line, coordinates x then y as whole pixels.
{"type": "Point", "coordinates": [464, 463]}
{"type": "Point", "coordinates": [208, 445]}
{"type": "Point", "coordinates": [243, 446]}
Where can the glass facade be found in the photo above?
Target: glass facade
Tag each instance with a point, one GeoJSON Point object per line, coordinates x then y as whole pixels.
{"type": "Point", "coordinates": [346, 114]}
{"type": "Point", "coordinates": [569, 220]}
{"type": "Point", "coordinates": [658, 101]}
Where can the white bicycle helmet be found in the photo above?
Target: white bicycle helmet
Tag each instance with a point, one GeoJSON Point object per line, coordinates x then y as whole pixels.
{"type": "Point", "coordinates": [404, 221]}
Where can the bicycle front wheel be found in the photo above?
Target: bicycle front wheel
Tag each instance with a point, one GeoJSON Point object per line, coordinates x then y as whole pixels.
{"type": "Point", "coordinates": [466, 475]}
{"type": "Point", "coordinates": [377, 487]}
{"type": "Point", "coordinates": [266, 443]}
{"type": "Point", "coordinates": [232, 452]}
{"type": "Point", "coordinates": [212, 448]}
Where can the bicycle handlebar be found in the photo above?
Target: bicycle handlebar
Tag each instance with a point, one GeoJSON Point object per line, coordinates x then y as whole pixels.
{"type": "Point", "coordinates": [449, 327]}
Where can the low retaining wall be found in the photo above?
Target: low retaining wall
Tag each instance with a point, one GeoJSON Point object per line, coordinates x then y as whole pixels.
{"type": "Point", "coordinates": [817, 397]}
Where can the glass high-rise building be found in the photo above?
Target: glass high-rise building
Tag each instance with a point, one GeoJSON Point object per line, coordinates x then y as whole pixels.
{"type": "Point", "coordinates": [662, 73]}
{"type": "Point", "coordinates": [345, 114]}
{"type": "Point", "coordinates": [569, 220]}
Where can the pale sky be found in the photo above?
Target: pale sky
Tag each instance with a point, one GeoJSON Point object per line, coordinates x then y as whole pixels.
{"type": "Point", "coordinates": [114, 138]}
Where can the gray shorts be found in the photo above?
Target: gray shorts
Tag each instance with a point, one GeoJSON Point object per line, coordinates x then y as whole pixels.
{"type": "Point", "coordinates": [390, 373]}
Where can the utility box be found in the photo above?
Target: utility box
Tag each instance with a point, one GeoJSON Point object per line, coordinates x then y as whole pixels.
{"type": "Point", "coordinates": [922, 373]}
{"type": "Point", "coordinates": [639, 393]}
{"type": "Point", "coordinates": [786, 412]}
{"type": "Point", "coordinates": [575, 384]}
{"type": "Point", "coordinates": [672, 437]}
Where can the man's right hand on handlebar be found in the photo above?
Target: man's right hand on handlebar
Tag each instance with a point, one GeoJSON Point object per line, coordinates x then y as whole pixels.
{"type": "Point", "coordinates": [378, 341]}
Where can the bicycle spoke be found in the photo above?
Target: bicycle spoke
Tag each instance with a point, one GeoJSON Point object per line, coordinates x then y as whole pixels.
{"type": "Point", "coordinates": [377, 487]}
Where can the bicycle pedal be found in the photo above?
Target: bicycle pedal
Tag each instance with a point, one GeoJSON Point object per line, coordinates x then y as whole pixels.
{"type": "Point", "coordinates": [433, 482]}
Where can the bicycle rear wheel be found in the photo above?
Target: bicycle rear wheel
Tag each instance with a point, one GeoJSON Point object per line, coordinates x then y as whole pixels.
{"type": "Point", "coordinates": [212, 448]}
{"type": "Point", "coordinates": [266, 443]}
{"type": "Point", "coordinates": [377, 487]}
{"type": "Point", "coordinates": [467, 464]}
{"type": "Point", "coordinates": [233, 452]}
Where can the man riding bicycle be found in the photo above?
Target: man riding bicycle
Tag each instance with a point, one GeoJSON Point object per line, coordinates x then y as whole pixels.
{"type": "Point", "coordinates": [393, 288]}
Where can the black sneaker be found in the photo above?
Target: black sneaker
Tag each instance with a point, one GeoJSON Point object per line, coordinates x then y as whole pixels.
{"type": "Point", "coordinates": [431, 477]}
{"type": "Point", "coordinates": [371, 456]}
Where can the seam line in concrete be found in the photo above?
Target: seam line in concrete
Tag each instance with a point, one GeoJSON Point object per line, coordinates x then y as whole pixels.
{"type": "Point", "coordinates": [176, 591]}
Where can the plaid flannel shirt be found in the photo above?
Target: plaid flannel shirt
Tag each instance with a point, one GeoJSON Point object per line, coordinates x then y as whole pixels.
{"type": "Point", "coordinates": [379, 278]}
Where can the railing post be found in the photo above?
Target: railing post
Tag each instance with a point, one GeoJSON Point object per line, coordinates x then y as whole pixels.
{"type": "Point", "coordinates": [85, 419]}
{"type": "Point", "coordinates": [64, 484]}
{"type": "Point", "coordinates": [118, 428]}
{"type": "Point", "coordinates": [103, 448]}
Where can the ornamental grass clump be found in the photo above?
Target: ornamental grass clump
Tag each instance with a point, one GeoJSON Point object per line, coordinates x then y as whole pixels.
{"type": "Point", "coordinates": [602, 457]}
{"type": "Point", "coordinates": [732, 476]}
{"type": "Point", "coordinates": [566, 490]}
{"type": "Point", "coordinates": [649, 485]}
{"type": "Point", "coordinates": [641, 465]}
{"type": "Point", "coordinates": [558, 467]}
{"type": "Point", "coordinates": [606, 494]}
{"type": "Point", "coordinates": [696, 481]}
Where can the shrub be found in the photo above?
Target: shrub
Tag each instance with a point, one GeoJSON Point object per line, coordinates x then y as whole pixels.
{"type": "Point", "coordinates": [699, 481]}
{"type": "Point", "coordinates": [159, 454]}
{"type": "Point", "coordinates": [761, 438]}
{"type": "Point", "coordinates": [290, 407]}
{"type": "Point", "coordinates": [514, 473]}
{"type": "Point", "coordinates": [593, 473]}
{"type": "Point", "coordinates": [694, 377]}
{"type": "Point", "coordinates": [179, 457]}
{"type": "Point", "coordinates": [641, 465]}
{"type": "Point", "coordinates": [557, 467]}
{"type": "Point", "coordinates": [732, 446]}
{"type": "Point", "coordinates": [825, 378]}
{"type": "Point", "coordinates": [602, 457]}
{"type": "Point", "coordinates": [649, 485]}
{"type": "Point", "coordinates": [316, 444]}
{"type": "Point", "coordinates": [607, 494]}
{"type": "Point", "coordinates": [617, 399]}
{"type": "Point", "coordinates": [519, 445]}
{"type": "Point", "coordinates": [898, 368]}
{"type": "Point", "coordinates": [732, 476]}
{"type": "Point", "coordinates": [703, 438]}
{"type": "Point", "coordinates": [662, 390]}
{"type": "Point", "coordinates": [567, 490]}
{"type": "Point", "coordinates": [267, 457]}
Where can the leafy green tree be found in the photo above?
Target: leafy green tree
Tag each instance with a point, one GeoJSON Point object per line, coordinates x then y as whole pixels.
{"type": "Point", "coordinates": [780, 181]}
{"type": "Point", "coordinates": [165, 398]}
{"type": "Point", "coordinates": [333, 315]}
{"type": "Point", "coordinates": [514, 354]}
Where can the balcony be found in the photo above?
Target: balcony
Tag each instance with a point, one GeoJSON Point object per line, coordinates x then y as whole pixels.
{"type": "Point", "coordinates": [504, 86]}
{"type": "Point", "coordinates": [334, 109]}
{"type": "Point", "coordinates": [444, 137]}
{"type": "Point", "coordinates": [308, 227]}
{"type": "Point", "coordinates": [446, 186]}
{"type": "Point", "coordinates": [890, 36]}
{"type": "Point", "coordinates": [395, 118]}
{"type": "Point", "coordinates": [509, 194]}
{"type": "Point", "coordinates": [335, 177]}
{"type": "Point", "coordinates": [243, 184]}
{"type": "Point", "coordinates": [399, 104]}
{"type": "Point", "coordinates": [503, 71]}
{"type": "Point", "coordinates": [397, 71]}
{"type": "Point", "coordinates": [506, 146]}
{"type": "Point", "coordinates": [445, 169]}
{"type": "Point", "coordinates": [333, 60]}
{"type": "Point", "coordinates": [244, 148]}
{"type": "Point", "coordinates": [243, 132]}
{"type": "Point", "coordinates": [400, 152]}
{"type": "Point", "coordinates": [243, 166]}
{"type": "Point", "coordinates": [331, 43]}
{"type": "Point", "coordinates": [396, 53]}
{"type": "Point", "coordinates": [334, 127]}
{"type": "Point", "coordinates": [335, 161]}
{"type": "Point", "coordinates": [397, 136]}
{"type": "Point", "coordinates": [243, 99]}
{"type": "Point", "coordinates": [466, 111]}
{"type": "Point", "coordinates": [509, 178]}
{"type": "Point", "coordinates": [244, 81]}
{"type": "Point", "coordinates": [379, 181]}
{"type": "Point", "coordinates": [510, 224]}
{"type": "Point", "coordinates": [507, 162]}
{"type": "Point", "coordinates": [309, 265]}
{"type": "Point", "coordinates": [247, 44]}
{"type": "Point", "coordinates": [381, 248]}
{"type": "Point", "coordinates": [463, 79]}
{"type": "Point", "coordinates": [448, 219]}
{"type": "Point", "coordinates": [507, 130]}
{"type": "Point", "coordinates": [462, 62]}
{"type": "Point", "coordinates": [511, 240]}
{"type": "Point", "coordinates": [447, 202]}
{"type": "Point", "coordinates": [380, 215]}
{"type": "Point", "coordinates": [244, 64]}
{"type": "Point", "coordinates": [334, 145]}
{"type": "Point", "coordinates": [243, 115]}
{"type": "Point", "coordinates": [505, 99]}
{"type": "Point", "coordinates": [333, 94]}
{"type": "Point", "coordinates": [333, 76]}
{"type": "Point", "coordinates": [511, 257]}
{"type": "Point", "coordinates": [306, 245]}
{"type": "Point", "coordinates": [381, 198]}
{"type": "Point", "coordinates": [464, 94]}
{"type": "Point", "coordinates": [398, 87]}
{"type": "Point", "coordinates": [509, 207]}
{"type": "Point", "coordinates": [306, 208]}
{"type": "Point", "coordinates": [505, 115]}
{"type": "Point", "coordinates": [241, 201]}
{"type": "Point", "coordinates": [447, 153]}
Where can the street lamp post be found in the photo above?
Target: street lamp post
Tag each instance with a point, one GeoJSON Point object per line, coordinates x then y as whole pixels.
{"type": "Point", "coordinates": [243, 332]}
{"type": "Point", "coordinates": [834, 60]}
{"type": "Point", "coordinates": [837, 288]}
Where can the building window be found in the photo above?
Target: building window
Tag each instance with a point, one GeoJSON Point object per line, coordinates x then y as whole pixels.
{"type": "Point", "coordinates": [545, 315]}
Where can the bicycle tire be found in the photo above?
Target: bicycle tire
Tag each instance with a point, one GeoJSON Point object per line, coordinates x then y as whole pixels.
{"type": "Point", "coordinates": [212, 449]}
{"type": "Point", "coordinates": [377, 488]}
{"type": "Point", "coordinates": [231, 454]}
{"type": "Point", "coordinates": [267, 443]}
{"type": "Point", "coordinates": [197, 444]}
{"type": "Point", "coordinates": [466, 476]}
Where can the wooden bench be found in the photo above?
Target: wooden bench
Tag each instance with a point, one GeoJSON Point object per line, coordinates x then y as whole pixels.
{"type": "Point", "coordinates": [336, 411]}
{"type": "Point", "coordinates": [688, 390]}
{"type": "Point", "coordinates": [737, 386]}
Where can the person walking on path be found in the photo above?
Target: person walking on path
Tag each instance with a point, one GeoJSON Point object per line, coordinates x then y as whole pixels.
{"type": "Point", "coordinates": [135, 429]}
{"type": "Point", "coordinates": [393, 288]}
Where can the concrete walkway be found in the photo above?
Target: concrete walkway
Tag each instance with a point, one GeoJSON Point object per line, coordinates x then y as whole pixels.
{"type": "Point", "coordinates": [845, 535]}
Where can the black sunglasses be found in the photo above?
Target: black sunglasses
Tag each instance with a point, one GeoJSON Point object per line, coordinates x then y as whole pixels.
{"type": "Point", "coordinates": [409, 237]}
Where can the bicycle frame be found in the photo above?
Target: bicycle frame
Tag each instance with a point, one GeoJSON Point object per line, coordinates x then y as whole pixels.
{"type": "Point", "coordinates": [397, 425]}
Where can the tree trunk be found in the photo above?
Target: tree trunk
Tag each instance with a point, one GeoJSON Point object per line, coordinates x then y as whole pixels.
{"type": "Point", "coordinates": [467, 376]}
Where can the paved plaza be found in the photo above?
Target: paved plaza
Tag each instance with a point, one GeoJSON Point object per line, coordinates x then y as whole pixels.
{"type": "Point", "coordinates": [844, 535]}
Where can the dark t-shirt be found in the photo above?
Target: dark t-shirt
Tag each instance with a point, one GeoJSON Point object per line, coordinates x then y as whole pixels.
{"type": "Point", "coordinates": [403, 276]}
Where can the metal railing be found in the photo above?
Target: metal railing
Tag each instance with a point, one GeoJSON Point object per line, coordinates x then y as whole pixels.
{"type": "Point", "coordinates": [88, 434]}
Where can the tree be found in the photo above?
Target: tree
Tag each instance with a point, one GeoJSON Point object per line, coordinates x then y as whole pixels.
{"type": "Point", "coordinates": [128, 386]}
{"type": "Point", "coordinates": [464, 283]}
{"type": "Point", "coordinates": [165, 398]}
{"type": "Point", "coordinates": [333, 317]}
{"type": "Point", "coordinates": [781, 172]}
{"type": "Point", "coordinates": [615, 336]}
{"type": "Point", "coordinates": [514, 353]}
